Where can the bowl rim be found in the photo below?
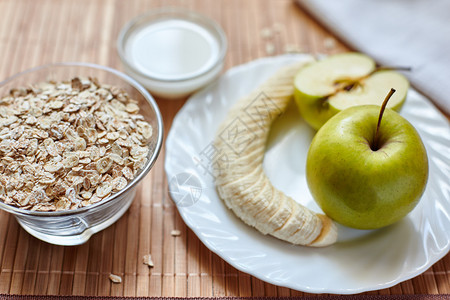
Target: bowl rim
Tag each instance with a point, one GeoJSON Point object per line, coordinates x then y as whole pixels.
{"type": "Point", "coordinates": [155, 15]}
{"type": "Point", "coordinates": [149, 164]}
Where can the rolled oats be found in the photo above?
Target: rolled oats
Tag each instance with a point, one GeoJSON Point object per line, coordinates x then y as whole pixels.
{"type": "Point", "coordinates": [127, 172]}
{"type": "Point", "coordinates": [147, 260]}
{"type": "Point", "coordinates": [104, 164]}
{"type": "Point", "coordinates": [132, 108]}
{"type": "Point", "coordinates": [115, 278]}
{"type": "Point", "coordinates": [53, 166]}
{"type": "Point", "coordinates": [103, 190]}
{"type": "Point", "coordinates": [119, 183]}
{"type": "Point", "coordinates": [65, 145]}
{"type": "Point", "coordinates": [175, 232]}
{"type": "Point", "coordinates": [86, 195]}
{"type": "Point", "coordinates": [71, 161]}
{"type": "Point", "coordinates": [116, 158]}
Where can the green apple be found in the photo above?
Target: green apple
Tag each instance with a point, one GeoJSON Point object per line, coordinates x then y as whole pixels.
{"type": "Point", "coordinates": [328, 86]}
{"type": "Point", "coordinates": [366, 176]}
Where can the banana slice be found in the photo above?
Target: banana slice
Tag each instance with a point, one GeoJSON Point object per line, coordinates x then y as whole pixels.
{"type": "Point", "coordinates": [242, 183]}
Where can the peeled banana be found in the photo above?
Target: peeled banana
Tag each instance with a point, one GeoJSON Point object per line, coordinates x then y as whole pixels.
{"type": "Point", "coordinates": [242, 182]}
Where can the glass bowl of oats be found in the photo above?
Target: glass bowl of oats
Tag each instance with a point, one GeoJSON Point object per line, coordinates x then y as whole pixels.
{"type": "Point", "coordinates": [75, 140]}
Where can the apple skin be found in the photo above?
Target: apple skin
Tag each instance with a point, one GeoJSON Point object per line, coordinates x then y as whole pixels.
{"type": "Point", "coordinates": [357, 186]}
{"type": "Point", "coordinates": [313, 110]}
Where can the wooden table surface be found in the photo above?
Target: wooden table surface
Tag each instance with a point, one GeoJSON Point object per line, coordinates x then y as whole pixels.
{"type": "Point", "coordinates": [35, 32]}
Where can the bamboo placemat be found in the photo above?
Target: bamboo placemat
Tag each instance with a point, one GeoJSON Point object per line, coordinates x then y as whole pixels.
{"type": "Point", "coordinates": [308, 297]}
{"type": "Point", "coordinates": [43, 31]}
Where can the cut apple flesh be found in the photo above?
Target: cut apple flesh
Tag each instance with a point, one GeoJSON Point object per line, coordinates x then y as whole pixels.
{"type": "Point", "coordinates": [372, 90]}
{"type": "Point", "coordinates": [323, 77]}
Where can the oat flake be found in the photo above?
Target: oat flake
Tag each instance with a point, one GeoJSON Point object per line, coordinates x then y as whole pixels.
{"type": "Point", "coordinates": [147, 260]}
{"type": "Point", "coordinates": [115, 278]}
{"type": "Point", "coordinates": [175, 232]}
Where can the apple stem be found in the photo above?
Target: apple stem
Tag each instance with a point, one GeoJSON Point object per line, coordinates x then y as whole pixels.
{"type": "Point", "coordinates": [397, 68]}
{"type": "Point", "coordinates": [380, 116]}
{"type": "Point", "coordinates": [387, 68]}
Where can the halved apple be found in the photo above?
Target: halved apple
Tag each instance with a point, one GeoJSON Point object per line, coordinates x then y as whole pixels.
{"type": "Point", "coordinates": [328, 86]}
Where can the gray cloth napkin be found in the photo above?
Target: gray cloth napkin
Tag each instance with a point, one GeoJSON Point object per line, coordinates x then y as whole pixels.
{"type": "Point", "coordinates": [414, 33]}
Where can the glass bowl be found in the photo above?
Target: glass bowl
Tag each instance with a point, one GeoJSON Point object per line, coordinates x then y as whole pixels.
{"type": "Point", "coordinates": [74, 227]}
{"type": "Point", "coordinates": [172, 51]}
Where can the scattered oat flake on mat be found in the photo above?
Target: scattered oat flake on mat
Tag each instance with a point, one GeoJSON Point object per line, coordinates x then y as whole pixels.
{"type": "Point", "coordinates": [148, 260]}
{"type": "Point", "coordinates": [266, 33]}
{"type": "Point", "coordinates": [278, 27]}
{"type": "Point", "coordinates": [175, 232]}
{"type": "Point", "coordinates": [115, 278]}
{"type": "Point", "coordinates": [329, 43]}
{"type": "Point", "coordinates": [270, 48]}
{"type": "Point", "coordinates": [292, 48]}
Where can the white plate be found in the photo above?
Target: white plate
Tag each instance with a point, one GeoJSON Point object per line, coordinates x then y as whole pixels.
{"type": "Point", "coordinates": [360, 260]}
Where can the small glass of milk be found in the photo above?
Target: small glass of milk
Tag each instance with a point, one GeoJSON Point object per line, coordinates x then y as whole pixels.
{"type": "Point", "coordinates": [171, 51]}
